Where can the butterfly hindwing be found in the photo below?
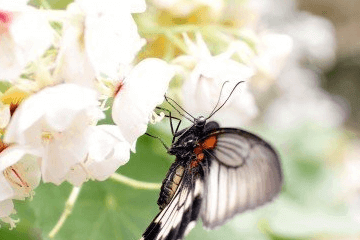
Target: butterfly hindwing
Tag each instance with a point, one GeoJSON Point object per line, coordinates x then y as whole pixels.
{"type": "Point", "coordinates": [244, 172]}
{"type": "Point", "coordinates": [181, 213]}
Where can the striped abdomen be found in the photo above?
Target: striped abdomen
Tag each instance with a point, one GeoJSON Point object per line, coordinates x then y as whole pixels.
{"type": "Point", "coordinates": [170, 184]}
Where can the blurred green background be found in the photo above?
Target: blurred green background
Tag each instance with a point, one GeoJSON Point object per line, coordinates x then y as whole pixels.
{"type": "Point", "coordinates": [316, 201]}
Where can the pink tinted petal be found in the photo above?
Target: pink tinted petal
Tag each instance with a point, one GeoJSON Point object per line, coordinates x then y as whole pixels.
{"type": "Point", "coordinates": [5, 21]}
{"type": "Point", "coordinates": [143, 90]}
{"type": "Point", "coordinates": [18, 43]}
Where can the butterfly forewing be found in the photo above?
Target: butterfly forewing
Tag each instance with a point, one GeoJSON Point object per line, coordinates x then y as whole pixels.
{"type": "Point", "coordinates": [181, 213]}
{"type": "Point", "coordinates": [244, 172]}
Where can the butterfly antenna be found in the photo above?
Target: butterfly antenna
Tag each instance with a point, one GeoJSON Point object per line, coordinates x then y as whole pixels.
{"type": "Point", "coordinates": [225, 100]}
{"type": "Point", "coordinates": [168, 98]}
{"type": "Point", "coordinates": [222, 87]}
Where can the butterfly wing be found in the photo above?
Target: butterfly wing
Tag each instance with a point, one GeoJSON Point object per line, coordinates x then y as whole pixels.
{"type": "Point", "coordinates": [244, 172]}
{"type": "Point", "coordinates": [180, 214]}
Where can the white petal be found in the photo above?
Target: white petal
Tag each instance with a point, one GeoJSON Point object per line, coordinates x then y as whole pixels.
{"type": "Point", "coordinates": [6, 208]}
{"type": "Point", "coordinates": [143, 90]}
{"type": "Point", "coordinates": [4, 115]}
{"type": "Point", "coordinates": [137, 6]}
{"type": "Point", "coordinates": [53, 107]}
{"type": "Point", "coordinates": [14, 4]}
{"type": "Point", "coordinates": [6, 191]}
{"type": "Point", "coordinates": [61, 156]}
{"type": "Point", "coordinates": [103, 140]}
{"type": "Point", "coordinates": [77, 175]}
{"type": "Point", "coordinates": [201, 91]}
{"type": "Point", "coordinates": [108, 150]}
{"type": "Point", "coordinates": [111, 40]}
{"type": "Point", "coordinates": [102, 170]}
{"type": "Point", "coordinates": [20, 45]}
{"type": "Point", "coordinates": [73, 60]}
{"type": "Point", "coordinates": [10, 156]}
{"type": "Point", "coordinates": [112, 6]}
{"type": "Point", "coordinates": [74, 100]}
{"type": "Point", "coordinates": [31, 170]}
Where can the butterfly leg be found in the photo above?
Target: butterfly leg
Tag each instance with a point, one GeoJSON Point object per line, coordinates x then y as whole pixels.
{"type": "Point", "coordinates": [163, 143]}
{"type": "Point", "coordinates": [171, 123]}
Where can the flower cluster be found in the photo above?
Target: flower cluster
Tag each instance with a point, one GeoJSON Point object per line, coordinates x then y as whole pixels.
{"type": "Point", "coordinates": [60, 86]}
{"type": "Point", "coordinates": [67, 68]}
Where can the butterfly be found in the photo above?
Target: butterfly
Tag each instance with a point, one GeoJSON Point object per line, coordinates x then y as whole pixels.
{"type": "Point", "coordinates": [218, 173]}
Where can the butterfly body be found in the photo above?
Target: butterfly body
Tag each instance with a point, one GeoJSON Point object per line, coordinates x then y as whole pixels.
{"type": "Point", "coordinates": [218, 173]}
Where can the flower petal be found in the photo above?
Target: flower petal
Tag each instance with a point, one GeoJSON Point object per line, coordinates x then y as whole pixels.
{"type": "Point", "coordinates": [109, 151]}
{"type": "Point", "coordinates": [142, 91]}
{"type": "Point", "coordinates": [6, 191]}
{"type": "Point", "coordinates": [6, 208]}
{"type": "Point", "coordinates": [10, 156]}
{"type": "Point", "coordinates": [19, 45]}
{"type": "Point", "coordinates": [61, 155]}
{"type": "Point", "coordinates": [74, 65]}
{"type": "Point", "coordinates": [111, 40]}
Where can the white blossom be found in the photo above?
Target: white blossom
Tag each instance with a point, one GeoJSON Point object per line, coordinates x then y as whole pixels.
{"type": "Point", "coordinates": [201, 89]}
{"type": "Point", "coordinates": [311, 106]}
{"type": "Point", "coordinates": [56, 123]}
{"type": "Point", "coordinates": [140, 92]}
{"type": "Point", "coordinates": [98, 38]}
{"type": "Point", "coordinates": [25, 34]}
{"type": "Point", "coordinates": [108, 150]}
{"type": "Point", "coordinates": [19, 176]}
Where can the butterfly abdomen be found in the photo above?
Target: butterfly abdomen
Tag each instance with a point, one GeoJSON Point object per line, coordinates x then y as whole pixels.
{"type": "Point", "coordinates": [170, 184]}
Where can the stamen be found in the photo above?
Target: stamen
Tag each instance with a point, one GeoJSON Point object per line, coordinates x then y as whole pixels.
{"type": "Point", "coordinates": [154, 118]}
{"type": "Point", "coordinates": [46, 137]}
{"type": "Point", "coordinates": [10, 221]}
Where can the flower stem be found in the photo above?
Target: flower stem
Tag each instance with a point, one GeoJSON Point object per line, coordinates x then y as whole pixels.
{"type": "Point", "coordinates": [69, 205]}
{"type": "Point", "coordinates": [135, 183]}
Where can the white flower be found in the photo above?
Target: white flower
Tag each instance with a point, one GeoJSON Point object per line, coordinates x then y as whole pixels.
{"type": "Point", "coordinates": [98, 38]}
{"type": "Point", "coordinates": [314, 38]}
{"type": "Point", "coordinates": [201, 89]}
{"type": "Point", "coordinates": [141, 91]}
{"type": "Point", "coordinates": [310, 106]}
{"type": "Point", "coordinates": [25, 34]}
{"type": "Point", "coordinates": [56, 123]}
{"type": "Point", "coordinates": [268, 58]}
{"type": "Point", "coordinates": [108, 150]}
{"type": "Point", "coordinates": [19, 176]}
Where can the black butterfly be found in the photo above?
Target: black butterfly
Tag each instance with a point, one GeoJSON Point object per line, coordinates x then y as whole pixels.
{"type": "Point", "coordinates": [218, 172]}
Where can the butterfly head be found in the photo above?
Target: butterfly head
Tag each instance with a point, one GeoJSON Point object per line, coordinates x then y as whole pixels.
{"type": "Point", "coordinates": [200, 122]}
